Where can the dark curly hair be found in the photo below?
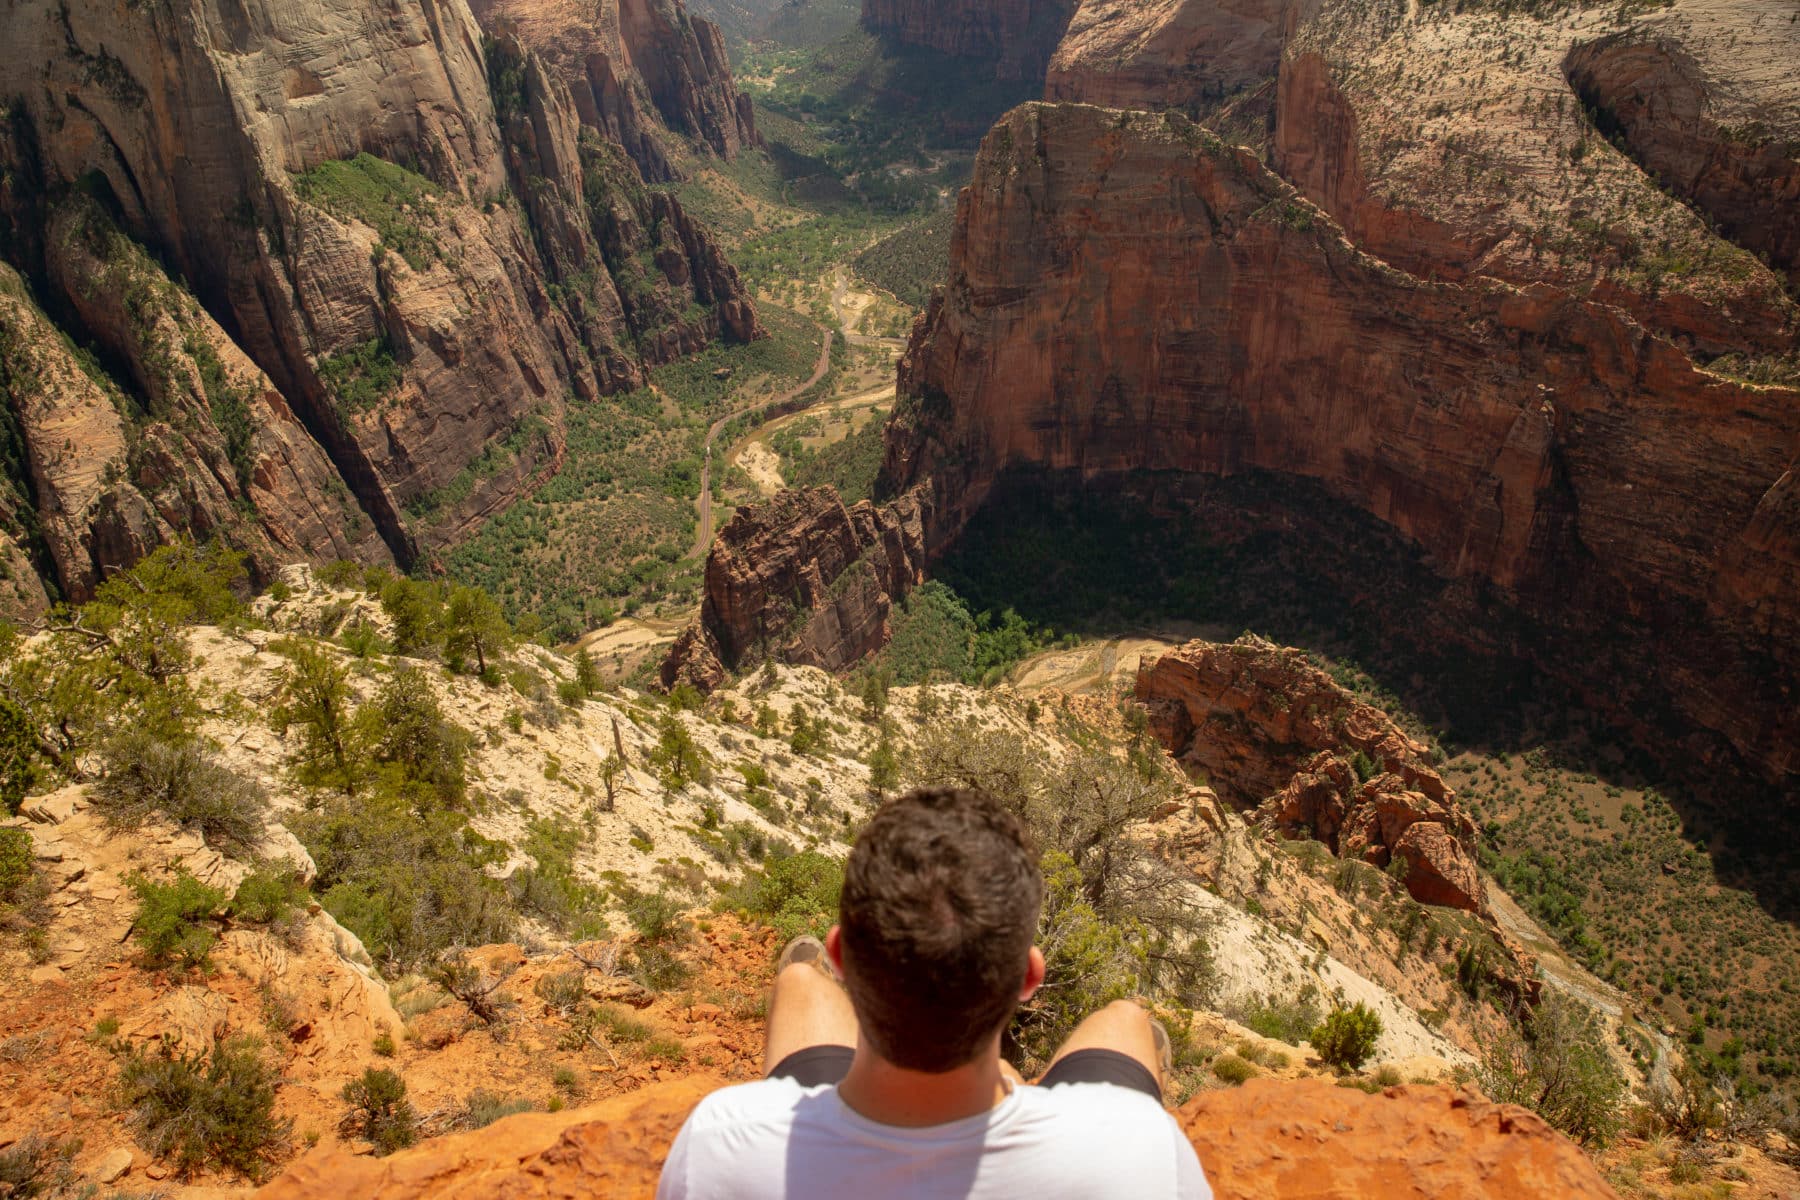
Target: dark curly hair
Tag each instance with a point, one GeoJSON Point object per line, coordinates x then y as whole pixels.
{"type": "Point", "coordinates": [939, 909]}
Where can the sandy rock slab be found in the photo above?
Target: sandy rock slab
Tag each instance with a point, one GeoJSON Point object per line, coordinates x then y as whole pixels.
{"type": "Point", "coordinates": [1268, 1140]}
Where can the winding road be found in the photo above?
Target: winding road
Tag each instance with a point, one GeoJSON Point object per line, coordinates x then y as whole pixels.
{"type": "Point", "coordinates": [704, 533]}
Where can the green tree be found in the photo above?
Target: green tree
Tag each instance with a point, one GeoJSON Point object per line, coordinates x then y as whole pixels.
{"type": "Point", "coordinates": [416, 610]}
{"type": "Point", "coordinates": [677, 758]}
{"type": "Point", "coordinates": [474, 625]}
{"type": "Point", "coordinates": [1556, 1064]}
{"type": "Point", "coordinates": [1346, 1037]}
{"type": "Point", "coordinates": [315, 697]}
{"type": "Point", "coordinates": [408, 734]}
{"type": "Point", "coordinates": [18, 750]}
{"type": "Point", "coordinates": [587, 675]}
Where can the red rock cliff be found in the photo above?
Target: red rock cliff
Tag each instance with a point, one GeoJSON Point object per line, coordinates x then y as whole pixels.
{"type": "Point", "coordinates": [801, 578]}
{"type": "Point", "coordinates": [1130, 294]}
{"type": "Point", "coordinates": [1266, 1140]}
{"type": "Point", "coordinates": [386, 322]}
{"type": "Point", "coordinates": [1268, 728]}
{"type": "Point", "coordinates": [617, 55]}
{"type": "Point", "coordinates": [1020, 35]}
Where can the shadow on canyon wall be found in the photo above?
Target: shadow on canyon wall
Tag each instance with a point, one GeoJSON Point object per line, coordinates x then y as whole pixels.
{"type": "Point", "coordinates": [1277, 556]}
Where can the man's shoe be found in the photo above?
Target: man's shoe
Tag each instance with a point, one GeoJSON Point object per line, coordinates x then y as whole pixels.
{"type": "Point", "coordinates": [805, 949]}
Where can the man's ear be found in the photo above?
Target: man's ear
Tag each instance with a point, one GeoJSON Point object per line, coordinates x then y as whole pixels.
{"type": "Point", "coordinates": [1034, 974]}
{"type": "Point", "coordinates": [834, 949]}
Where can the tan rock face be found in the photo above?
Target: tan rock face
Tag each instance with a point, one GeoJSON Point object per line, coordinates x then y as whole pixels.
{"type": "Point", "coordinates": [1130, 54]}
{"type": "Point", "coordinates": [802, 579]}
{"type": "Point", "coordinates": [1129, 294]}
{"type": "Point", "coordinates": [1267, 1140]}
{"type": "Point", "coordinates": [1269, 729]}
{"type": "Point", "coordinates": [1019, 34]}
{"type": "Point", "coordinates": [1709, 104]}
{"type": "Point", "coordinates": [617, 55]}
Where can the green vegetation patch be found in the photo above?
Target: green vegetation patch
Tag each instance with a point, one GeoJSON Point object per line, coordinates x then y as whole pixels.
{"type": "Point", "coordinates": [361, 377]}
{"type": "Point", "coordinates": [912, 261]}
{"type": "Point", "coordinates": [396, 203]}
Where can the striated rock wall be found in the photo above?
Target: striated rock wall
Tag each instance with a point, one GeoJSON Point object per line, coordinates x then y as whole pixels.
{"type": "Point", "coordinates": [1266, 1140]}
{"type": "Point", "coordinates": [387, 318]}
{"type": "Point", "coordinates": [802, 579]}
{"type": "Point", "coordinates": [1733, 151]}
{"type": "Point", "coordinates": [1020, 35]}
{"type": "Point", "coordinates": [636, 69]}
{"type": "Point", "coordinates": [1270, 730]}
{"type": "Point", "coordinates": [1182, 54]}
{"type": "Point", "coordinates": [1130, 294]}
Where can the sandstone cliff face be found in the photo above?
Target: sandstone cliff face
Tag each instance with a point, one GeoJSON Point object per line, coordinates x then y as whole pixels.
{"type": "Point", "coordinates": [1492, 168]}
{"type": "Point", "coordinates": [802, 579]}
{"type": "Point", "coordinates": [1130, 294]}
{"type": "Point", "coordinates": [1020, 35]}
{"type": "Point", "coordinates": [1675, 91]}
{"type": "Point", "coordinates": [1128, 54]}
{"type": "Point", "coordinates": [1270, 730]}
{"type": "Point", "coordinates": [635, 68]}
{"type": "Point", "coordinates": [332, 180]}
{"type": "Point", "coordinates": [1268, 1140]}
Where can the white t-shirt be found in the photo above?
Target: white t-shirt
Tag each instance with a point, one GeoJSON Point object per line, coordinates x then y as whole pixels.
{"type": "Point", "coordinates": [775, 1140]}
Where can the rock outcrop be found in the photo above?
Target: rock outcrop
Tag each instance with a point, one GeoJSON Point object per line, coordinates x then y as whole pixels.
{"type": "Point", "coordinates": [1267, 1140]}
{"type": "Point", "coordinates": [1129, 54]}
{"type": "Point", "coordinates": [387, 343]}
{"type": "Point", "coordinates": [1268, 729]}
{"type": "Point", "coordinates": [802, 579]}
{"type": "Point", "coordinates": [636, 69]}
{"type": "Point", "coordinates": [1019, 35]}
{"type": "Point", "coordinates": [1673, 92]}
{"type": "Point", "coordinates": [1130, 294]}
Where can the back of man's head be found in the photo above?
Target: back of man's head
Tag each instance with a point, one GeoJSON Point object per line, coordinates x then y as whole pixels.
{"type": "Point", "coordinates": [940, 906]}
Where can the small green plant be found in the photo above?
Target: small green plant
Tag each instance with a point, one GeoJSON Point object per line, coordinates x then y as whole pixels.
{"type": "Point", "coordinates": [214, 1111]}
{"type": "Point", "coordinates": [384, 1045]}
{"type": "Point", "coordinates": [792, 893]}
{"type": "Point", "coordinates": [1346, 1037]}
{"type": "Point", "coordinates": [379, 1111]}
{"type": "Point", "coordinates": [1232, 1069]}
{"type": "Point", "coordinates": [169, 918]}
{"type": "Point", "coordinates": [15, 862]}
{"type": "Point", "coordinates": [482, 1108]}
{"type": "Point", "coordinates": [267, 895]}
{"type": "Point", "coordinates": [564, 1079]}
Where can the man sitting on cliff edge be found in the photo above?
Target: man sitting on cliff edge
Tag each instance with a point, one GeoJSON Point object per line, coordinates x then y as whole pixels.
{"type": "Point", "coordinates": [892, 1084]}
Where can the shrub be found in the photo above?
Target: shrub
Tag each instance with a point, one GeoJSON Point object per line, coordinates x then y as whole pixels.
{"type": "Point", "coordinates": [267, 895]}
{"type": "Point", "coordinates": [18, 746]}
{"type": "Point", "coordinates": [410, 735]}
{"type": "Point", "coordinates": [315, 696]}
{"type": "Point", "coordinates": [1285, 1021]}
{"type": "Point", "coordinates": [36, 1166]}
{"type": "Point", "coordinates": [1559, 1067]}
{"type": "Point", "coordinates": [1347, 1036]}
{"type": "Point", "coordinates": [456, 974]}
{"type": "Point", "coordinates": [482, 1108]}
{"type": "Point", "coordinates": [562, 991]}
{"type": "Point", "coordinates": [678, 759]}
{"type": "Point", "coordinates": [793, 893]}
{"type": "Point", "coordinates": [379, 1111]}
{"type": "Point", "coordinates": [168, 921]}
{"type": "Point", "coordinates": [182, 781]}
{"type": "Point", "coordinates": [213, 1111]}
{"type": "Point", "coordinates": [15, 863]}
{"type": "Point", "coordinates": [1232, 1069]}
